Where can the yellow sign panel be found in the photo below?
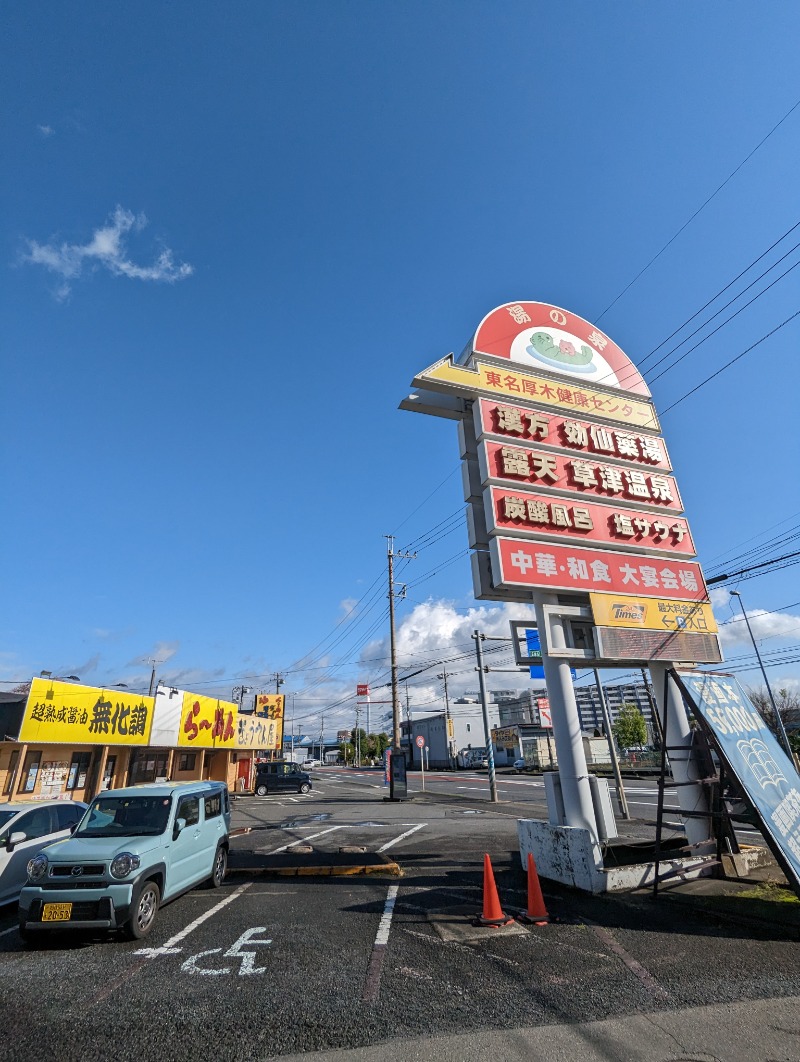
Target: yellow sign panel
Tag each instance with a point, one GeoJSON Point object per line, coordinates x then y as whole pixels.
{"type": "Point", "coordinates": [271, 706]}
{"type": "Point", "coordinates": [207, 723]}
{"type": "Point", "coordinates": [510, 384]}
{"type": "Point", "coordinates": [258, 732]}
{"type": "Point", "coordinates": [64, 713]}
{"type": "Point", "coordinates": [652, 613]}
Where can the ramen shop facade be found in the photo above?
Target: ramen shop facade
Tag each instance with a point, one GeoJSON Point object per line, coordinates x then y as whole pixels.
{"type": "Point", "coordinates": [70, 741]}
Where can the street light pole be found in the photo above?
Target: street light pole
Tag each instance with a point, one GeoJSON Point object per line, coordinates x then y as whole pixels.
{"type": "Point", "coordinates": [478, 638]}
{"type": "Point", "coordinates": [781, 728]}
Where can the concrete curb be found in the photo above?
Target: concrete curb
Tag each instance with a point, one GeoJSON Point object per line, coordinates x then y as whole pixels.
{"type": "Point", "coordinates": [392, 869]}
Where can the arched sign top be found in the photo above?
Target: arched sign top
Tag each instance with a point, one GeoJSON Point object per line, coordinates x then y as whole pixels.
{"type": "Point", "coordinates": [541, 336]}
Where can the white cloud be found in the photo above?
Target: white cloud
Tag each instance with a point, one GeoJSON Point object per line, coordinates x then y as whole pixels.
{"type": "Point", "coordinates": [107, 248]}
{"type": "Point", "coordinates": [46, 130]}
{"type": "Point", "coordinates": [161, 653]}
{"type": "Point", "coordinates": [436, 631]}
{"type": "Point", "coordinates": [733, 631]}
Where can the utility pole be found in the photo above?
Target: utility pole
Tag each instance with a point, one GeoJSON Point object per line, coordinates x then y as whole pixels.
{"type": "Point", "coordinates": [292, 738]}
{"type": "Point", "coordinates": [279, 681]}
{"type": "Point", "coordinates": [357, 742]}
{"type": "Point", "coordinates": [445, 676]}
{"type": "Point", "coordinates": [152, 678]}
{"type": "Point", "coordinates": [322, 739]}
{"type": "Point", "coordinates": [478, 638]}
{"type": "Point", "coordinates": [395, 691]}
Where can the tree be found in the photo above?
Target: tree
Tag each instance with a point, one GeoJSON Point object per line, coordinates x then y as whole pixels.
{"type": "Point", "coordinates": [788, 704]}
{"type": "Point", "coordinates": [630, 728]}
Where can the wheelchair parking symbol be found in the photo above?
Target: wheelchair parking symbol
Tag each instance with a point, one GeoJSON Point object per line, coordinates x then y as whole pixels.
{"type": "Point", "coordinates": [237, 950]}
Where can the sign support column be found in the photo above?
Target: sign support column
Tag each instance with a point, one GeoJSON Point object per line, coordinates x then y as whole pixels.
{"type": "Point", "coordinates": [675, 723]}
{"type": "Point", "coordinates": [572, 769]}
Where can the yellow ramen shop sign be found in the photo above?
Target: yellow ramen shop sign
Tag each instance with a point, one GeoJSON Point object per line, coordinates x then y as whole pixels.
{"type": "Point", "coordinates": [63, 713]}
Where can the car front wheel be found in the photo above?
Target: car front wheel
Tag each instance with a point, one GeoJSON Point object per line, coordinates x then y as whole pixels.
{"type": "Point", "coordinates": [304, 788]}
{"type": "Point", "coordinates": [261, 790]}
{"type": "Point", "coordinates": [220, 867]}
{"type": "Point", "coordinates": [145, 908]}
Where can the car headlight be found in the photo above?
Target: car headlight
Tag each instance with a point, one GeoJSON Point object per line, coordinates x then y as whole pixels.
{"type": "Point", "coordinates": [37, 867]}
{"type": "Point", "coordinates": [123, 864]}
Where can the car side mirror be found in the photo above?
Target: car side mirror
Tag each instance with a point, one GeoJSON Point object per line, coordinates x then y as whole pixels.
{"type": "Point", "coordinates": [180, 824]}
{"type": "Point", "coordinates": [15, 839]}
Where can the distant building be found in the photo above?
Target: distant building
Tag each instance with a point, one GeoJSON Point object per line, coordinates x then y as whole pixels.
{"type": "Point", "coordinates": [524, 708]}
{"type": "Point", "coordinates": [466, 732]}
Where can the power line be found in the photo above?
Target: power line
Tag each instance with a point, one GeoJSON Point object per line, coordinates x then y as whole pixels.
{"type": "Point", "coordinates": [699, 210]}
{"type": "Point", "coordinates": [733, 361]}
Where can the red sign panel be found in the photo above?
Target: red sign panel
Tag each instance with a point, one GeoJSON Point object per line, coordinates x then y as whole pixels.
{"type": "Point", "coordinates": [555, 429]}
{"type": "Point", "coordinates": [545, 715]}
{"type": "Point", "coordinates": [362, 691]}
{"type": "Point", "coordinates": [579, 473]}
{"type": "Point", "coordinates": [547, 566]}
{"type": "Point", "coordinates": [546, 337]}
{"type": "Point", "coordinates": [543, 515]}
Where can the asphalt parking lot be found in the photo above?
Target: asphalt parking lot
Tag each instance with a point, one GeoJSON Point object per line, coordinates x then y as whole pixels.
{"type": "Point", "coordinates": [274, 967]}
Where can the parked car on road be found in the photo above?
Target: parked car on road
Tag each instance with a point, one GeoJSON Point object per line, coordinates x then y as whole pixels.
{"type": "Point", "coordinates": [281, 777]}
{"type": "Point", "coordinates": [25, 829]}
{"type": "Point", "coordinates": [521, 765]}
{"type": "Point", "coordinates": [310, 762]}
{"type": "Point", "coordinates": [133, 850]}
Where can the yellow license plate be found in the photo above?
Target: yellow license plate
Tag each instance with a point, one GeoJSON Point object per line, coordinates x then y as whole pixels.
{"type": "Point", "coordinates": [56, 912]}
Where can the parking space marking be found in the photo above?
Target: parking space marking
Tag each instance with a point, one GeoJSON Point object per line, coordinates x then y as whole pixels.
{"type": "Point", "coordinates": [302, 840]}
{"type": "Point", "coordinates": [390, 844]}
{"type": "Point", "coordinates": [169, 947]}
{"type": "Point", "coordinates": [247, 958]}
{"type": "Point", "coordinates": [373, 982]}
{"type": "Point", "coordinates": [635, 967]}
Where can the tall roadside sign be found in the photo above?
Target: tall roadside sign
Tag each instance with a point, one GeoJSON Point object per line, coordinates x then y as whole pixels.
{"type": "Point", "coordinates": [572, 505]}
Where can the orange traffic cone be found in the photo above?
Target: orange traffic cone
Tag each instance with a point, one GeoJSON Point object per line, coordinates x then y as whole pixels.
{"type": "Point", "coordinates": [492, 911]}
{"type": "Point", "coordinates": [537, 912]}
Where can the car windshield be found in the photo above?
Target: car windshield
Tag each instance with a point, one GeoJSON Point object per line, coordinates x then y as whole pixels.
{"type": "Point", "coordinates": [6, 815]}
{"type": "Point", "coordinates": [125, 816]}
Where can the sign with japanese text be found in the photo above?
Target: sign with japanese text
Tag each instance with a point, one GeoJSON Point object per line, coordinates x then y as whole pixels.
{"type": "Point", "coordinates": [542, 516]}
{"type": "Point", "coordinates": [258, 732]}
{"type": "Point", "coordinates": [362, 690]}
{"type": "Point", "coordinates": [544, 336]}
{"type": "Point", "coordinates": [490, 379]}
{"type": "Point", "coordinates": [566, 476]}
{"type": "Point", "coordinates": [652, 613]}
{"type": "Point", "coordinates": [504, 734]}
{"type": "Point", "coordinates": [534, 646]}
{"type": "Point", "coordinates": [575, 473]}
{"type": "Point", "coordinates": [545, 714]}
{"type": "Point", "coordinates": [272, 706]}
{"type": "Point", "coordinates": [752, 753]}
{"type": "Point", "coordinates": [63, 713]}
{"type": "Point", "coordinates": [549, 429]}
{"type": "Point", "coordinates": [559, 567]}
{"type": "Point", "coordinates": [207, 723]}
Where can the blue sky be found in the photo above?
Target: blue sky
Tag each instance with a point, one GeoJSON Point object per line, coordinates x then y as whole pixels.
{"type": "Point", "coordinates": [234, 233]}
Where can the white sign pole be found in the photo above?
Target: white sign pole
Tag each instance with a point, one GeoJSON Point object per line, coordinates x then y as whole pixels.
{"type": "Point", "coordinates": [572, 770]}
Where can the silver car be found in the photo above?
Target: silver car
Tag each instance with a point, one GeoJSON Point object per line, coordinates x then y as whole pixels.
{"type": "Point", "coordinates": [25, 829]}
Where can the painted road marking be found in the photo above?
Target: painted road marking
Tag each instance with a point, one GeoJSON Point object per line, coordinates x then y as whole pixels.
{"type": "Point", "coordinates": [373, 982]}
{"type": "Point", "coordinates": [247, 958]}
{"type": "Point", "coordinates": [635, 967]}
{"type": "Point", "coordinates": [408, 833]}
{"type": "Point", "coordinates": [169, 948]}
{"type": "Point", "coordinates": [301, 840]}
{"type": "Point", "coordinates": [146, 954]}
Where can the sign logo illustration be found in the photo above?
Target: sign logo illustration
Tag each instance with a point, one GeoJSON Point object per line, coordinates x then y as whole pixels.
{"type": "Point", "coordinates": [765, 769]}
{"type": "Point", "coordinates": [634, 613]}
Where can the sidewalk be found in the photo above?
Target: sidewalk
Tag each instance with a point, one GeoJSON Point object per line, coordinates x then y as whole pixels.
{"type": "Point", "coordinates": [762, 1030]}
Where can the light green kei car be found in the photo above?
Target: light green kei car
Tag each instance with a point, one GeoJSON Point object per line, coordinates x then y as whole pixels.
{"type": "Point", "coordinates": [134, 850]}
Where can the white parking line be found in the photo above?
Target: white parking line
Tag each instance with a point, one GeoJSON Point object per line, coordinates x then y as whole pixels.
{"type": "Point", "coordinates": [169, 947]}
{"type": "Point", "coordinates": [303, 840]}
{"type": "Point", "coordinates": [408, 833]}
